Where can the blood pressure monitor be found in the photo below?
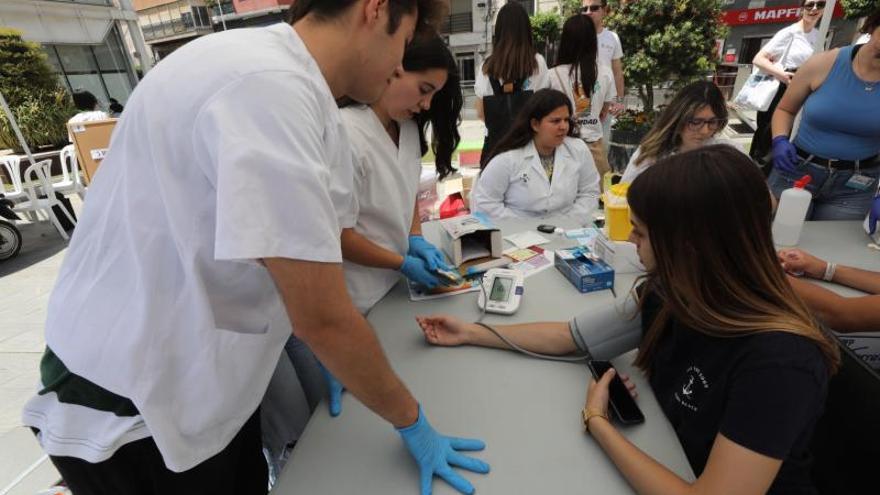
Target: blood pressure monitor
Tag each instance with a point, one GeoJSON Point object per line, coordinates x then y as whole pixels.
{"type": "Point", "coordinates": [504, 289]}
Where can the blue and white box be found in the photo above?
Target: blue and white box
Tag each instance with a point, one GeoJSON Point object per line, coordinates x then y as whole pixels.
{"type": "Point", "coordinates": [585, 271]}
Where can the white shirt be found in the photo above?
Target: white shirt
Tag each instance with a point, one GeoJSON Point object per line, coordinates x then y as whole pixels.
{"type": "Point", "coordinates": [632, 170]}
{"type": "Point", "coordinates": [86, 116]}
{"type": "Point", "coordinates": [609, 47]}
{"type": "Point", "coordinates": [386, 183]}
{"type": "Point", "coordinates": [863, 39]}
{"type": "Point", "coordinates": [538, 80]}
{"type": "Point", "coordinates": [514, 184]}
{"type": "Point", "coordinates": [801, 46]}
{"type": "Point", "coordinates": [221, 161]}
{"type": "Point", "coordinates": [587, 109]}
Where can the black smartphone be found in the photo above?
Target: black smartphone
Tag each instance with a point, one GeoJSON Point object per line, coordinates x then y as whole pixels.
{"type": "Point", "coordinates": [623, 404]}
{"type": "Point", "coordinates": [547, 229]}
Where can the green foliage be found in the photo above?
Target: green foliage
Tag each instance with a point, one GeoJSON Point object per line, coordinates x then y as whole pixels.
{"type": "Point", "coordinates": [570, 8]}
{"type": "Point", "coordinates": [666, 40]}
{"type": "Point", "coordinates": [859, 8]}
{"type": "Point", "coordinates": [40, 104]}
{"type": "Point", "coordinates": [546, 27]}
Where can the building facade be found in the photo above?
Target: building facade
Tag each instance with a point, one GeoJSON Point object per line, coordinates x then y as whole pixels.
{"type": "Point", "coordinates": [93, 45]}
{"type": "Point", "coordinates": [169, 24]}
{"type": "Point", "coordinates": [250, 13]}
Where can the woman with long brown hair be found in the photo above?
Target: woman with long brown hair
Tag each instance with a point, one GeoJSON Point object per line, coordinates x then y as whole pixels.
{"type": "Point", "coordinates": [514, 70]}
{"type": "Point", "coordinates": [736, 361]}
{"type": "Point", "coordinates": [694, 118]}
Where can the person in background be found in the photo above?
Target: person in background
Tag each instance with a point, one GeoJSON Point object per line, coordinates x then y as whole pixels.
{"type": "Point", "coordinates": [115, 108]}
{"type": "Point", "coordinates": [842, 314]}
{"type": "Point", "coordinates": [837, 93]}
{"type": "Point", "coordinates": [540, 168]}
{"type": "Point", "coordinates": [610, 55]}
{"type": "Point", "coordinates": [735, 359]}
{"type": "Point", "coordinates": [513, 65]}
{"type": "Point", "coordinates": [588, 84]}
{"type": "Point", "coordinates": [787, 50]}
{"type": "Point", "coordinates": [694, 117]}
{"type": "Point", "coordinates": [87, 104]}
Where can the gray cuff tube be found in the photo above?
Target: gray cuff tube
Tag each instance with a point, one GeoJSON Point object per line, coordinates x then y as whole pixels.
{"type": "Point", "coordinates": [610, 331]}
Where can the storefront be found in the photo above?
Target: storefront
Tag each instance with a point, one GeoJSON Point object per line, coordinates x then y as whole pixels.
{"type": "Point", "coordinates": [752, 24]}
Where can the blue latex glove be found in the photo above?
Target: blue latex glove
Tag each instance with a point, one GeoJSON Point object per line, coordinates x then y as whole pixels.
{"type": "Point", "coordinates": [334, 391]}
{"type": "Point", "coordinates": [416, 269]}
{"type": "Point", "coordinates": [436, 454]}
{"type": "Point", "coordinates": [874, 215]}
{"type": "Point", "coordinates": [423, 249]}
{"type": "Point", "coordinates": [784, 155]}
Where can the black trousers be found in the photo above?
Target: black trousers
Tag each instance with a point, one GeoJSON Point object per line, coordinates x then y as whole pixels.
{"type": "Point", "coordinates": [137, 469]}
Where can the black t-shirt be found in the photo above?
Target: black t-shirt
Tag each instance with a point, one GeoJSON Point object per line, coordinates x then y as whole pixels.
{"type": "Point", "coordinates": [764, 392]}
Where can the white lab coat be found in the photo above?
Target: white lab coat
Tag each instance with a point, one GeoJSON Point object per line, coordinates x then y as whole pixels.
{"type": "Point", "coordinates": [386, 182]}
{"type": "Point", "coordinates": [515, 185]}
{"type": "Point", "coordinates": [219, 162]}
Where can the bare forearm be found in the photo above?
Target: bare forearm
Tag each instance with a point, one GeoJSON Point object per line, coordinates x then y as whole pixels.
{"type": "Point", "coordinates": [647, 476]}
{"type": "Point", "coordinates": [863, 280]}
{"type": "Point", "coordinates": [841, 314]}
{"type": "Point", "coordinates": [543, 337]}
{"type": "Point", "coordinates": [323, 316]}
{"type": "Point", "coordinates": [617, 70]}
{"type": "Point", "coordinates": [781, 122]}
{"type": "Point", "coordinates": [478, 106]}
{"type": "Point", "coordinates": [416, 226]}
{"type": "Point", "coordinates": [358, 249]}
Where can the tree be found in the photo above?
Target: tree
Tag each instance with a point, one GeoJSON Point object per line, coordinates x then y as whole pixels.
{"type": "Point", "coordinates": [666, 41]}
{"type": "Point", "coordinates": [546, 27]}
{"type": "Point", "coordinates": [39, 102]}
{"type": "Point", "coordinates": [859, 8]}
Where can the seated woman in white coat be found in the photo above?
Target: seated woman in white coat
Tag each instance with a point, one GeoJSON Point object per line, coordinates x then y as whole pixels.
{"type": "Point", "coordinates": [540, 168]}
{"type": "Point", "coordinates": [694, 118]}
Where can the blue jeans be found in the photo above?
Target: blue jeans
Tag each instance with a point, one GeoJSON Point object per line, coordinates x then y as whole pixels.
{"type": "Point", "coordinates": [832, 199]}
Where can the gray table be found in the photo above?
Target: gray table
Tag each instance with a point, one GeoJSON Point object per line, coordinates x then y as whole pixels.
{"type": "Point", "coordinates": [526, 410]}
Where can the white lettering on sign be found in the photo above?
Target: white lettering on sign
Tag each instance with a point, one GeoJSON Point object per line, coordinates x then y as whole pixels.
{"type": "Point", "coordinates": [99, 154]}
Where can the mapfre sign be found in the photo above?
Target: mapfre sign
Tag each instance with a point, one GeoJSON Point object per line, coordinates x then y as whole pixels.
{"type": "Point", "coordinates": [772, 15]}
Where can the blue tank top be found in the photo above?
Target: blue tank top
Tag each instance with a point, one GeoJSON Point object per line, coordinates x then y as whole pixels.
{"type": "Point", "coordinates": [841, 120]}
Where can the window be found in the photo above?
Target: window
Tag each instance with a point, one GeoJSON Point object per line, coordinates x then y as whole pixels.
{"type": "Point", "coordinates": [465, 67]}
{"type": "Point", "coordinates": [102, 69]}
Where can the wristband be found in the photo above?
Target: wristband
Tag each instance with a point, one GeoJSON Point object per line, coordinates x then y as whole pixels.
{"type": "Point", "coordinates": [618, 99]}
{"type": "Point", "coordinates": [830, 268]}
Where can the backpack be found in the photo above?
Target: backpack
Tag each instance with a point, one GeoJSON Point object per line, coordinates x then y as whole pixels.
{"type": "Point", "coordinates": [500, 109]}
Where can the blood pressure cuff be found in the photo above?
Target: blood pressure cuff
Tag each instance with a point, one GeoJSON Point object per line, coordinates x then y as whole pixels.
{"type": "Point", "coordinates": [609, 331]}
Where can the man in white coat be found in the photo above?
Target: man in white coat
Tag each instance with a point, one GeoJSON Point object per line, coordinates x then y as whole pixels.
{"type": "Point", "coordinates": [211, 231]}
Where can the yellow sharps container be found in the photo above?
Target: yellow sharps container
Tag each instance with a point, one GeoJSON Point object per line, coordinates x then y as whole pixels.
{"type": "Point", "coordinates": [617, 213]}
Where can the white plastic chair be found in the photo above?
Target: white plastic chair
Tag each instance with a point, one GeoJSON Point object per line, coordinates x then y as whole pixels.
{"type": "Point", "coordinates": [11, 163]}
{"type": "Point", "coordinates": [70, 182]}
{"type": "Point", "coordinates": [36, 183]}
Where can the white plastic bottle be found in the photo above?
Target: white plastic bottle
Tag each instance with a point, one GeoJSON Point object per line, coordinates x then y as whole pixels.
{"type": "Point", "coordinates": [791, 212]}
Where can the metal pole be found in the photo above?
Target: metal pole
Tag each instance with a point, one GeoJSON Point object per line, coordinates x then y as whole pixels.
{"type": "Point", "coordinates": [824, 24]}
{"type": "Point", "coordinates": [15, 128]}
{"type": "Point", "coordinates": [222, 14]}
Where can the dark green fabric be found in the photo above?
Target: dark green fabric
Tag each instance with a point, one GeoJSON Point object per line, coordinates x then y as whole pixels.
{"type": "Point", "coordinates": [74, 389]}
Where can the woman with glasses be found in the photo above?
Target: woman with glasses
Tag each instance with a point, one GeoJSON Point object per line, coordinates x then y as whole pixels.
{"type": "Point", "coordinates": [540, 168]}
{"type": "Point", "coordinates": [837, 93]}
{"type": "Point", "coordinates": [692, 119]}
{"type": "Point", "coordinates": [780, 58]}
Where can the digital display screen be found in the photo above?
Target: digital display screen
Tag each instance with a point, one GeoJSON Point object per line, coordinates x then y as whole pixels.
{"type": "Point", "coordinates": [500, 289]}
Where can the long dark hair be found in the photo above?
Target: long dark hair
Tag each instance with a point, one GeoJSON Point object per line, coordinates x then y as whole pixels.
{"type": "Point", "coordinates": [539, 105]}
{"type": "Point", "coordinates": [578, 46]}
{"type": "Point", "coordinates": [665, 135]}
{"type": "Point", "coordinates": [707, 212]}
{"type": "Point", "coordinates": [430, 52]}
{"type": "Point", "coordinates": [513, 49]}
